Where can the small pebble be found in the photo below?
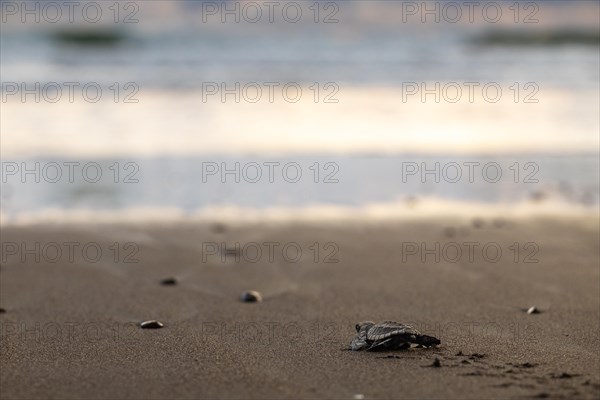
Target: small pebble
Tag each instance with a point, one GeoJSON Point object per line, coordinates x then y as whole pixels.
{"type": "Point", "coordinates": [538, 196]}
{"type": "Point", "coordinates": [411, 201]}
{"type": "Point", "coordinates": [499, 223]}
{"type": "Point", "coordinates": [169, 282]}
{"type": "Point", "coordinates": [2, 310]}
{"type": "Point", "coordinates": [436, 363]}
{"type": "Point", "coordinates": [152, 324]}
{"type": "Point", "coordinates": [251, 296]}
{"type": "Point", "coordinates": [526, 365]}
{"type": "Point", "coordinates": [219, 228]}
{"type": "Point", "coordinates": [587, 199]}
{"type": "Point", "coordinates": [477, 223]}
{"type": "Point", "coordinates": [564, 375]}
{"type": "Point", "coordinates": [533, 310]}
{"type": "Point", "coordinates": [450, 231]}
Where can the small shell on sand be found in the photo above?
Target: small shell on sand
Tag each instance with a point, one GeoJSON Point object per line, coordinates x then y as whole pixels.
{"type": "Point", "coordinates": [152, 324]}
{"type": "Point", "coordinates": [533, 310]}
{"type": "Point", "coordinates": [251, 296]}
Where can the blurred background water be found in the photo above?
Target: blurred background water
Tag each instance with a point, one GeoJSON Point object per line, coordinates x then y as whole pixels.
{"type": "Point", "coordinates": [364, 61]}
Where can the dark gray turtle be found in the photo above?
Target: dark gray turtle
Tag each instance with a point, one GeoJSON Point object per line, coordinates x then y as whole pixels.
{"type": "Point", "coordinates": [389, 335]}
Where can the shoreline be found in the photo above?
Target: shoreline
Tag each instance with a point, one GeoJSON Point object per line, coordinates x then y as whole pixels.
{"type": "Point", "coordinates": [408, 209]}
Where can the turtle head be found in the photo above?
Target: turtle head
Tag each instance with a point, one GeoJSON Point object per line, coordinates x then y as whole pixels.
{"type": "Point", "coordinates": [427, 341]}
{"type": "Point", "coordinates": [363, 326]}
{"type": "Point", "coordinates": [360, 341]}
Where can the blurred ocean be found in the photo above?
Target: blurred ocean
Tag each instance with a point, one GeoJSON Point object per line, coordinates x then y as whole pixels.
{"type": "Point", "coordinates": [364, 62]}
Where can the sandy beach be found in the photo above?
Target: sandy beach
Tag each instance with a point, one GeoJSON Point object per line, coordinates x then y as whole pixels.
{"type": "Point", "coordinates": [212, 199]}
{"type": "Point", "coordinates": [70, 326]}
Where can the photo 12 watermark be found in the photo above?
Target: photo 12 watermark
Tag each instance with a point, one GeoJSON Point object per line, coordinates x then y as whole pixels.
{"type": "Point", "coordinates": [69, 252]}
{"type": "Point", "coordinates": [471, 12]}
{"type": "Point", "coordinates": [270, 172]}
{"type": "Point", "coordinates": [272, 12]}
{"type": "Point", "coordinates": [269, 252]}
{"type": "Point", "coordinates": [471, 92]}
{"type": "Point", "coordinates": [469, 252]}
{"type": "Point", "coordinates": [269, 92]}
{"type": "Point", "coordinates": [70, 12]}
{"type": "Point", "coordinates": [469, 172]}
{"type": "Point", "coordinates": [71, 172]}
{"type": "Point", "coordinates": [73, 92]}
{"type": "Point", "coordinates": [336, 333]}
{"type": "Point", "coordinates": [70, 331]}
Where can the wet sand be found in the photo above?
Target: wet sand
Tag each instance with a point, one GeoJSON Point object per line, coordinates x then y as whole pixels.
{"type": "Point", "coordinates": [71, 327]}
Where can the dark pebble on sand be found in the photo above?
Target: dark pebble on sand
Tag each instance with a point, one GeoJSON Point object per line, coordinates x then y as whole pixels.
{"type": "Point", "coordinates": [526, 365]}
{"type": "Point", "coordinates": [564, 375]}
{"type": "Point", "coordinates": [411, 201]}
{"type": "Point", "coordinates": [2, 310]}
{"type": "Point", "coordinates": [169, 282]}
{"type": "Point", "coordinates": [251, 296]}
{"type": "Point", "coordinates": [218, 228]}
{"type": "Point", "coordinates": [538, 196]}
{"type": "Point", "coordinates": [588, 199]}
{"type": "Point", "coordinates": [450, 231]}
{"type": "Point", "coordinates": [460, 353]}
{"type": "Point", "coordinates": [477, 223]}
{"type": "Point", "coordinates": [152, 324]}
{"type": "Point", "coordinates": [473, 373]}
{"type": "Point", "coordinates": [499, 223]}
{"type": "Point", "coordinates": [436, 363]}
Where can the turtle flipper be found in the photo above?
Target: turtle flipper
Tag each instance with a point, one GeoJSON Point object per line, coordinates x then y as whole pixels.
{"type": "Point", "coordinates": [392, 343]}
{"type": "Point", "coordinates": [379, 345]}
{"type": "Point", "coordinates": [427, 341]}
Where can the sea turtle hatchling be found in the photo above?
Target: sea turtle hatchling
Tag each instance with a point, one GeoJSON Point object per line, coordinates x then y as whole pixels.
{"type": "Point", "coordinates": [389, 335]}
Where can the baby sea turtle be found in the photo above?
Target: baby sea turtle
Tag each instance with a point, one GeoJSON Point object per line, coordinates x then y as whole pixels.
{"type": "Point", "coordinates": [388, 335]}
